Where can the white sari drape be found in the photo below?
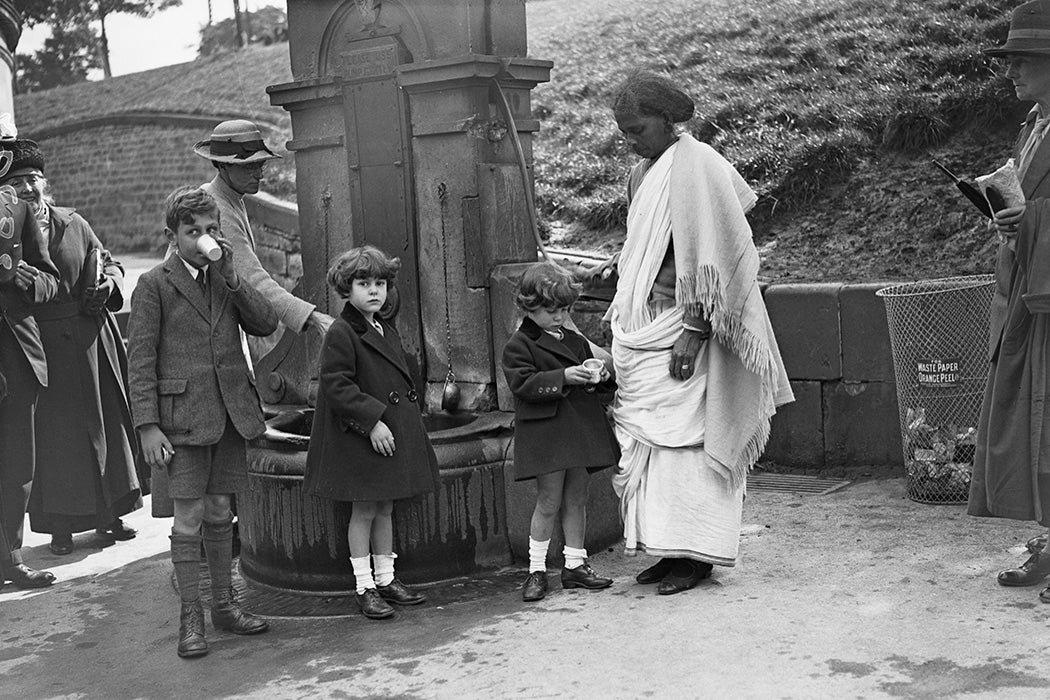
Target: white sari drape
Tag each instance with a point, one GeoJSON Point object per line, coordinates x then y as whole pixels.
{"type": "Point", "coordinates": [674, 499]}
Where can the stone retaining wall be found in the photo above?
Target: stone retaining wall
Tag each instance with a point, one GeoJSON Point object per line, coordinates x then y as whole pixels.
{"type": "Point", "coordinates": [835, 344]}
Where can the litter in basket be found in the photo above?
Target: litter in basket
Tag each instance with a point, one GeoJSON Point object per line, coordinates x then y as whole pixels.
{"type": "Point", "coordinates": [939, 337]}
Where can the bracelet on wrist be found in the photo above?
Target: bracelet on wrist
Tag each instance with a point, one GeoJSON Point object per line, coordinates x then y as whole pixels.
{"type": "Point", "coordinates": [704, 332]}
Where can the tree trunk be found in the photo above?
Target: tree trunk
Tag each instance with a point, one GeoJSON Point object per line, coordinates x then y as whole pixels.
{"type": "Point", "coordinates": [103, 42]}
{"type": "Point", "coordinates": [238, 23]}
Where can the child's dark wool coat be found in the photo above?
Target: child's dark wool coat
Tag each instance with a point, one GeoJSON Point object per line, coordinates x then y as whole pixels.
{"type": "Point", "coordinates": [557, 426]}
{"type": "Point", "coordinates": [364, 379]}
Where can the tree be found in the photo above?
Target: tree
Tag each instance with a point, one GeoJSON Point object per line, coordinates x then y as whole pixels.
{"type": "Point", "coordinates": [66, 57]}
{"type": "Point", "coordinates": [267, 25]}
{"type": "Point", "coordinates": [81, 13]}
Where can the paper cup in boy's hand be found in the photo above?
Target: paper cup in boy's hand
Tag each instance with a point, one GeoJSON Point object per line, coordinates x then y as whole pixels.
{"type": "Point", "coordinates": [209, 247]}
{"type": "Point", "coordinates": [595, 366]}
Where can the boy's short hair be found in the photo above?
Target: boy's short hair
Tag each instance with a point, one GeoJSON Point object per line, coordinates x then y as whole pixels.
{"type": "Point", "coordinates": [184, 204]}
{"type": "Point", "coordinates": [361, 263]}
{"type": "Point", "coordinates": [547, 285]}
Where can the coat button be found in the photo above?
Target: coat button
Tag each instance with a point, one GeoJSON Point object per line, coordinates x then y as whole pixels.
{"type": "Point", "coordinates": [412, 395]}
{"type": "Point", "coordinates": [394, 398]}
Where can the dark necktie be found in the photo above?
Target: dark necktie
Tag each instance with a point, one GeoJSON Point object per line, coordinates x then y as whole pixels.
{"type": "Point", "coordinates": [203, 284]}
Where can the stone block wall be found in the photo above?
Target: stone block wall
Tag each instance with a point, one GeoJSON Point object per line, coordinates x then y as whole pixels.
{"type": "Point", "coordinates": [275, 225]}
{"type": "Point", "coordinates": [835, 345]}
{"type": "Point", "coordinates": [117, 175]}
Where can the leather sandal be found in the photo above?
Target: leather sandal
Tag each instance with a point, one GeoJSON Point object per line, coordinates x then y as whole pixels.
{"type": "Point", "coordinates": [685, 575]}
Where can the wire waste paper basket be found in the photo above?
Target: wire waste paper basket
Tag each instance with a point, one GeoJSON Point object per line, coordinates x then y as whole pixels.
{"type": "Point", "coordinates": [939, 336]}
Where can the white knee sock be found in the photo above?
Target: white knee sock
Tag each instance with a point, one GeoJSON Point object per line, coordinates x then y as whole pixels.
{"type": "Point", "coordinates": [383, 564]}
{"type": "Point", "coordinates": [538, 555]}
{"type": "Point", "coordinates": [363, 573]}
{"type": "Point", "coordinates": [574, 557]}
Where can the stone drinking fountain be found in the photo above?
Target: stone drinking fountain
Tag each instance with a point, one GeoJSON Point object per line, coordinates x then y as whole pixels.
{"type": "Point", "coordinates": [412, 131]}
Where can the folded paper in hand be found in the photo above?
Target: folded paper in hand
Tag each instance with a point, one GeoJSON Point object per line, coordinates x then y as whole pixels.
{"type": "Point", "coordinates": [92, 272]}
{"type": "Point", "coordinates": [1002, 188]}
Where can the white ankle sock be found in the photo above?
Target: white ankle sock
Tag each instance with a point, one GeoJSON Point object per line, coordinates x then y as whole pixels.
{"type": "Point", "coordinates": [574, 557]}
{"type": "Point", "coordinates": [362, 572]}
{"type": "Point", "coordinates": [383, 566]}
{"type": "Point", "coordinates": [538, 555]}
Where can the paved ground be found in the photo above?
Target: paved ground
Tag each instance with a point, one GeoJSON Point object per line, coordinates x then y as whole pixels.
{"type": "Point", "coordinates": [856, 594]}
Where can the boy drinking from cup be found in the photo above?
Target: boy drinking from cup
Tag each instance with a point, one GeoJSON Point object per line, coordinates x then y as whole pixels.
{"type": "Point", "coordinates": [194, 404]}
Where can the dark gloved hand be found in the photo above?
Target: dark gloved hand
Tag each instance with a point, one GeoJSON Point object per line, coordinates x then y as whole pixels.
{"type": "Point", "coordinates": [95, 298]}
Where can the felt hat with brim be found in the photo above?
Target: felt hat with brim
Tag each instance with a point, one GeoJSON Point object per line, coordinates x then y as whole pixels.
{"type": "Point", "coordinates": [236, 141]}
{"type": "Point", "coordinates": [1029, 31]}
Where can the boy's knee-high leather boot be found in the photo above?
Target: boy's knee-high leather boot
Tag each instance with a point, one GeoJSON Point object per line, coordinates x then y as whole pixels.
{"type": "Point", "coordinates": [186, 556]}
{"type": "Point", "coordinates": [226, 612]}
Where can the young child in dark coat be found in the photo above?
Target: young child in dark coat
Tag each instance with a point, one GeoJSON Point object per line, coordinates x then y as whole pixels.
{"type": "Point", "coordinates": [368, 444]}
{"type": "Point", "coordinates": [561, 433]}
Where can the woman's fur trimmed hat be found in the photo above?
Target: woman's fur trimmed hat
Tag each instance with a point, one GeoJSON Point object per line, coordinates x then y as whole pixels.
{"type": "Point", "coordinates": [26, 156]}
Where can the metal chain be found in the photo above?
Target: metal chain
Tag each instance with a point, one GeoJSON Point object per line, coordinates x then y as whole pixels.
{"type": "Point", "coordinates": [442, 193]}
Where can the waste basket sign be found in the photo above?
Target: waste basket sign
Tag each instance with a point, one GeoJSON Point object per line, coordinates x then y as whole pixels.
{"type": "Point", "coordinates": [938, 372]}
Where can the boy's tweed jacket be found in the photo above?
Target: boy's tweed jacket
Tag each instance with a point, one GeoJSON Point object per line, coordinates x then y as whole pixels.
{"type": "Point", "coordinates": [187, 369]}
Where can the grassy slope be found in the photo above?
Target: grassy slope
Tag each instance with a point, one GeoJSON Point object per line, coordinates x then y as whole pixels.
{"type": "Point", "coordinates": [831, 109]}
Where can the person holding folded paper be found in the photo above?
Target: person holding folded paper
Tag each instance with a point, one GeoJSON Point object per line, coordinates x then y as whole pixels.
{"type": "Point", "coordinates": [1011, 474]}
{"type": "Point", "coordinates": [698, 367]}
{"type": "Point", "coordinates": [86, 444]}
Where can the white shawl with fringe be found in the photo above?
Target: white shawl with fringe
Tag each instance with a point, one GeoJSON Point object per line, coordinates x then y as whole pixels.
{"type": "Point", "coordinates": [694, 196]}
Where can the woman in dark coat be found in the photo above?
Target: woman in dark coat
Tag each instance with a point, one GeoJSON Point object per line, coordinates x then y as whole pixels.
{"type": "Point", "coordinates": [368, 444]}
{"type": "Point", "coordinates": [85, 471]}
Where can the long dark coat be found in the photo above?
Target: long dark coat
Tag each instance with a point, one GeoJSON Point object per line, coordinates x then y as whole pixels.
{"type": "Point", "coordinates": [23, 365]}
{"type": "Point", "coordinates": [1011, 471]}
{"type": "Point", "coordinates": [364, 379]}
{"type": "Point", "coordinates": [86, 443]}
{"type": "Point", "coordinates": [556, 426]}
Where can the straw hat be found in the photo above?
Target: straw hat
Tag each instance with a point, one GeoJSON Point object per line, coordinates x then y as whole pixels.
{"type": "Point", "coordinates": [236, 141]}
{"type": "Point", "coordinates": [1029, 31]}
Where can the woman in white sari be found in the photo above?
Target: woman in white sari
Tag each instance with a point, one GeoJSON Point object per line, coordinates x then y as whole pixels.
{"type": "Point", "coordinates": [698, 368]}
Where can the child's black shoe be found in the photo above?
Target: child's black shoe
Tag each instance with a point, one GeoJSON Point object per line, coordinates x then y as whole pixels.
{"type": "Point", "coordinates": [397, 593]}
{"type": "Point", "coordinates": [373, 606]}
{"type": "Point", "coordinates": [535, 587]}
{"type": "Point", "coordinates": [583, 576]}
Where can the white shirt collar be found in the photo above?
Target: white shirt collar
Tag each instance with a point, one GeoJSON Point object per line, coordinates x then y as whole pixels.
{"type": "Point", "coordinates": [192, 270]}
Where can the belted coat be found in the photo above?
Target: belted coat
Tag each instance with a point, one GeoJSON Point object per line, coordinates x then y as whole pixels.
{"type": "Point", "coordinates": [365, 378]}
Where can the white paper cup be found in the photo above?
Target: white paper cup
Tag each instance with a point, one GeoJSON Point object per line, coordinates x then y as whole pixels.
{"type": "Point", "coordinates": [209, 247]}
{"type": "Point", "coordinates": [595, 366]}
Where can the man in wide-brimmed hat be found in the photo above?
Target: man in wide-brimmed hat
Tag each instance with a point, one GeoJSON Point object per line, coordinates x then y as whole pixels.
{"type": "Point", "coordinates": [1011, 471]}
{"type": "Point", "coordinates": [237, 151]}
